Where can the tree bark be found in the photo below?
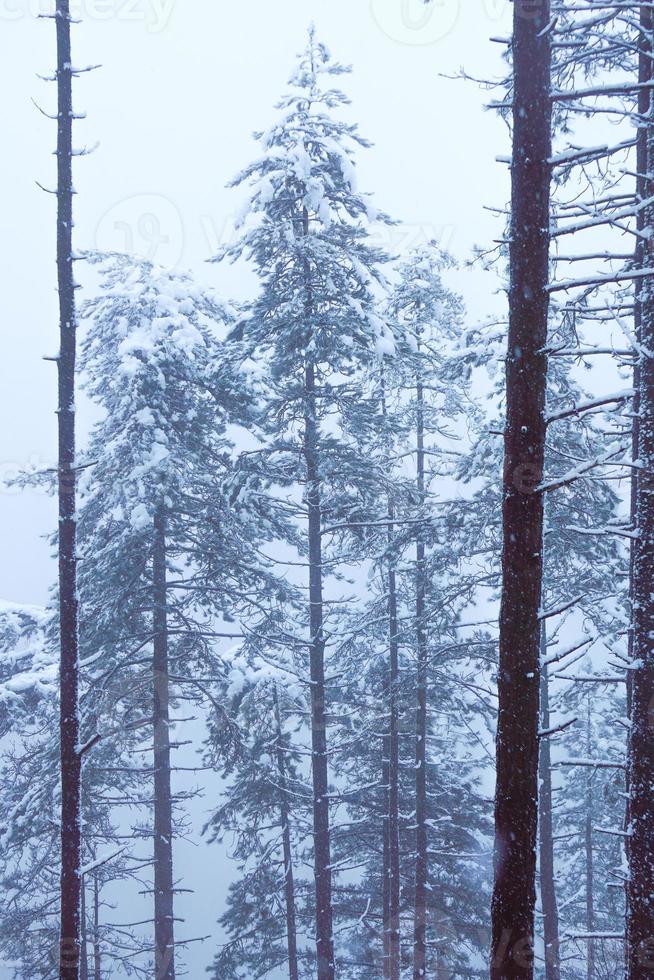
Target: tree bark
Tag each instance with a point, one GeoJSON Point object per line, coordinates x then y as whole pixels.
{"type": "Point", "coordinates": [97, 951]}
{"type": "Point", "coordinates": [164, 922]}
{"type": "Point", "coordinates": [516, 799]}
{"type": "Point", "coordinates": [289, 882]}
{"type": "Point", "coordinates": [640, 844]}
{"type": "Point", "coordinates": [546, 836]}
{"type": "Point", "coordinates": [393, 780]}
{"type": "Point", "coordinates": [386, 866]}
{"type": "Point", "coordinates": [321, 833]}
{"type": "Point", "coordinates": [319, 762]}
{"type": "Point", "coordinates": [71, 851]}
{"type": "Point", "coordinates": [421, 871]}
{"type": "Point", "coordinates": [84, 954]}
{"type": "Point", "coordinates": [588, 843]}
{"type": "Point", "coordinates": [391, 767]}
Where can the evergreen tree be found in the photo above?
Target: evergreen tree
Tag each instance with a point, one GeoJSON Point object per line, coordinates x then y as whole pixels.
{"type": "Point", "coordinates": [584, 561]}
{"type": "Point", "coordinates": [388, 678]}
{"type": "Point", "coordinates": [316, 326]}
{"type": "Point", "coordinates": [584, 577]}
{"type": "Point", "coordinates": [266, 813]}
{"type": "Point", "coordinates": [28, 669]}
{"type": "Point", "coordinates": [168, 523]}
{"type": "Point", "coordinates": [30, 823]}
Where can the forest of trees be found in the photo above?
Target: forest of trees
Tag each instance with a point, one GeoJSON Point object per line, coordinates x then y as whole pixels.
{"type": "Point", "coordinates": [324, 549]}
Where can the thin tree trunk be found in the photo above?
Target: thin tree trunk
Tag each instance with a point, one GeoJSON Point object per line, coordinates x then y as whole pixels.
{"type": "Point", "coordinates": [164, 922]}
{"type": "Point", "coordinates": [391, 769]}
{"type": "Point", "coordinates": [319, 762]}
{"type": "Point", "coordinates": [546, 836]}
{"type": "Point", "coordinates": [386, 863]}
{"type": "Point", "coordinates": [421, 872]}
{"type": "Point", "coordinates": [640, 844]}
{"type": "Point", "coordinates": [97, 952]}
{"type": "Point", "coordinates": [588, 840]}
{"type": "Point", "coordinates": [71, 851]}
{"type": "Point", "coordinates": [289, 882]}
{"type": "Point", "coordinates": [516, 799]}
{"type": "Point", "coordinates": [393, 779]}
{"type": "Point", "coordinates": [321, 834]}
{"type": "Point", "coordinates": [84, 953]}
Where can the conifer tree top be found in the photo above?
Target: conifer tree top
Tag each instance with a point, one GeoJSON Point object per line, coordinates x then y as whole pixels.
{"type": "Point", "coordinates": [306, 227]}
{"type": "Point", "coordinates": [148, 358]}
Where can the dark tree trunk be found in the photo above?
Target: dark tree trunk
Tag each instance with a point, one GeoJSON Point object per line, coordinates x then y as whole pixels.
{"type": "Point", "coordinates": [321, 835]}
{"type": "Point", "coordinates": [421, 872]}
{"type": "Point", "coordinates": [84, 952]}
{"type": "Point", "coordinates": [516, 800]}
{"type": "Point", "coordinates": [97, 951]}
{"type": "Point", "coordinates": [71, 850]}
{"type": "Point", "coordinates": [319, 761]}
{"type": "Point", "coordinates": [386, 866]}
{"type": "Point", "coordinates": [164, 922]}
{"type": "Point", "coordinates": [289, 882]}
{"type": "Point", "coordinates": [546, 835]}
{"type": "Point", "coordinates": [588, 843]}
{"type": "Point", "coordinates": [393, 817]}
{"type": "Point", "coordinates": [391, 768]}
{"type": "Point", "coordinates": [640, 849]}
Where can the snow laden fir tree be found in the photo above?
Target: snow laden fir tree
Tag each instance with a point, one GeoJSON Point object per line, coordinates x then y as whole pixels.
{"type": "Point", "coordinates": [316, 325]}
{"type": "Point", "coordinates": [167, 523]}
{"type": "Point", "coordinates": [289, 528]}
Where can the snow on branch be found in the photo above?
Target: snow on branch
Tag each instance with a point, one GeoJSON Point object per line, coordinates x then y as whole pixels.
{"type": "Point", "coordinates": [617, 398]}
{"type": "Point", "coordinates": [590, 764]}
{"type": "Point", "coordinates": [624, 276]}
{"type": "Point", "coordinates": [555, 729]}
{"type": "Point", "coordinates": [579, 471]}
{"type": "Point", "coordinates": [551, 613]}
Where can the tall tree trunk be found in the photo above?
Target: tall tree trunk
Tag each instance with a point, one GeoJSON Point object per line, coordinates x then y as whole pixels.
{"type": "Point", "coordinates": [546, 834]}
{"type": "Point", "coordinates": [588, 842]}
{"type": "Point", "coordinates": [284, 813]}
{"type": "Point", "coordinates": [386, 865]}
{"type": "Point", "coordinates": [640, 844]}
{"type": "Point", "coordinates": [421, 872]}
{"type": "Point", "coordinates": [516, 798]}
{"type": "Point", "coordinates": [321, 835]}
{"type": "Point", "coordinates": [97, 951]}
{"type": "Point", "coordinates": [164, 922]}
{"type": "Point", "coordinates": [71, 851]}
{"type": "Point", "coordinates": [84, 950]}
{"type": "Point", "coordinates": [394, 950]}
{"type": "Point", "coordinates": [391, 766]}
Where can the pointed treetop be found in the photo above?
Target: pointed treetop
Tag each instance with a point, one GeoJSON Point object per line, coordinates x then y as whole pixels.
{"type": "Point", "coordinates": [305, 223]}
{"type": "Point", "coordinates": [314, 62]}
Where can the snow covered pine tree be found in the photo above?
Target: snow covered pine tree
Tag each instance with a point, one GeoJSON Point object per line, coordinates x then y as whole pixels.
{"type": "Point", "coordinates": [315, 324]}
{"type": "Point", "coordinates": [167, 520]}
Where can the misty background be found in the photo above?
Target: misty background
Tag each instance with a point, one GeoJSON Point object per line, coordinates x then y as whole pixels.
{"type": "Point", "coordinates": [181, 87]}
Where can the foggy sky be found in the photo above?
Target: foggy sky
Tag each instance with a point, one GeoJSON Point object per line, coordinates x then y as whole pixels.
{"type": "Point", "coordinates": [183, 84]}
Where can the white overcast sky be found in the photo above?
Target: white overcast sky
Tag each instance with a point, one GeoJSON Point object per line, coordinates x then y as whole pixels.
{"type": "Point", "coordinates": [183, 84]}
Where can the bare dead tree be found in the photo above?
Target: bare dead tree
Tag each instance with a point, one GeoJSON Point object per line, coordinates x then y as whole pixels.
{"type": "Point", "coordinates": [69, 957]}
